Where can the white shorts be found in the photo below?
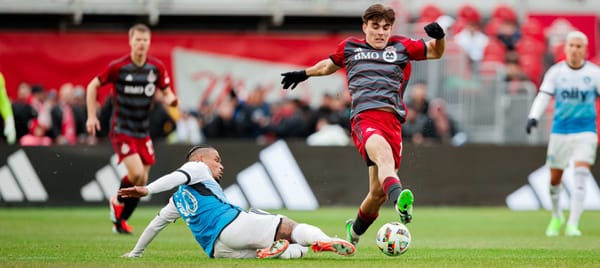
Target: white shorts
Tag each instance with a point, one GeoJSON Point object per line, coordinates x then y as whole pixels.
{"type": "Point", "coordinates": [579, 147]}
{"type": "Point", "coordinates": [247, 233]}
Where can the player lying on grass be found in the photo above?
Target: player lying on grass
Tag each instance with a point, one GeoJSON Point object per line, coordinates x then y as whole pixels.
{"type": "Point", "coordinates": [222, 229]}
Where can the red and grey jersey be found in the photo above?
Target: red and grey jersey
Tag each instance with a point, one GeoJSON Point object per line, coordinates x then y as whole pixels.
{"type": "Point", "coordinates": [377, 77]}
{"type": "Point", "coordinates": [134, 88]}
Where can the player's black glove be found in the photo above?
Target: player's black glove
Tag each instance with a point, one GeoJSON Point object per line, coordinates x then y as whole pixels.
{"type": "Point", "coordinates": [530, 124]}
{"type": "Point", "coordinates": [293, 78]}
{"type": "Point", "coordinates": [434, 30]}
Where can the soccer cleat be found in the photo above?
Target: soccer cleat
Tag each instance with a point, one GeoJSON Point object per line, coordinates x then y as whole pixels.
{"type": "Point", "coordinates": [116, 209]}
{"type": "Point", "coordinates": [404, 205]}
{"type": "Point", "coordinates": [572, 230]}
{"type": "Point", "coordinates": [274, 251]}
{"type": "Point", "coordinates": [349, 237]}
{"type": "Point", "coordinates": [554, 226]}
{"type": "Point", "coordinates": [339, 246]}
{"type": "Point", "coordinates": [121, 227]}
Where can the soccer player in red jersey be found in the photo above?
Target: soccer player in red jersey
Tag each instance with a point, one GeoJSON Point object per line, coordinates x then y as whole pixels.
{"type": "Point", "coordinates": [135, 78]}
{"type": "Point", "coordinates": [378, 69]}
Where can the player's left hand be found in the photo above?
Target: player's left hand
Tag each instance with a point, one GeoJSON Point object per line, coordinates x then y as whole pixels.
{"type": "Point", "coordinates": [135, 191]}
{"type": "Point", "coordinates": [174, 102]}
{"type": "Point", "coordinates": [293, 78]}
{"type": "Point", "coordinates": [531, 123]}
{"type": "Point", "coordinates": [434, 30]}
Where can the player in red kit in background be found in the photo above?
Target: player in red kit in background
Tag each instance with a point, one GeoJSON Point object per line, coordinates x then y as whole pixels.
{"type": "Point", "coordinates": [378, 69]}
{"type": "Point", "coordinates": [135, 78]}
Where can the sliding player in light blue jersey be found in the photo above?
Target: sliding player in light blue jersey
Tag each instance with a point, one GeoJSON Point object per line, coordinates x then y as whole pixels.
{"type": "Point", "coordinates": [222, 229]}
{"type": "Point", "coordinates": [575, 85]}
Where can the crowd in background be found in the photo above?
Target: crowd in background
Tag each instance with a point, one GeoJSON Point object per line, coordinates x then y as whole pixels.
{"type": "Point", "coordinates": [46, 117]}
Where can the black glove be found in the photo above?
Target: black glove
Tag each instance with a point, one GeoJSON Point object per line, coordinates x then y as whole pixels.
{"type": "Point", "coordinates": [434, 30]}
{"type": "Point", "coordinates": [293, 78]}
{"type": "Point", "coordinates": [530, 123]}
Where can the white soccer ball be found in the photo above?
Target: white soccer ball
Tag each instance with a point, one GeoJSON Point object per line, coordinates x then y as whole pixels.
{"type": "Point", "coordinates": [393, 239]}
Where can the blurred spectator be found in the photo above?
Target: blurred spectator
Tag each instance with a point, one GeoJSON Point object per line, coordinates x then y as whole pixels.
{"type": "Point", "coordinates": [509, 33]}
{"type": "Point", "coordinates": [290, 120]}
{"type": "Point", "coordinates": [412, 128]}
{"type": "Point", "coordinates": [222, 125]}
{"type": "Point", "coordinates": [22, 110]}
{"type": "Point", "coordinates": [188, 129]}
{"type": "Point", "coordinates": [440, 128]}
{"type": "Point", "coordinates": [253, 115]}
{"type": "Point", "coordinates": [332, 108]}
{"type": "Point", "coordinates": [36, 135]}
{"type": "Point", "coordinates": [418, 98]}
{"type": "Point", "coordinates": [63, 128]}
{"type": "Point", "coordinates": [80, 113]}
{"type": "Point", "coordinates": [472, 40]}
{"type": "Point", "coordinates": [513, 69]}
{"type": "Point", "coordinates": [161, 122]}
{"type": "Point", "coordinates": [328, 134]}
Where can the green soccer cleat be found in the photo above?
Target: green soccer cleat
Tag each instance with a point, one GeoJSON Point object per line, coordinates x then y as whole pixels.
{"type": "Point", "coordinates": [404, 205]}
{"type": "Point", "coordinates": [572, 230]}
{"type": "Point", "coordinates": [554, 226]}
{"type": "Point", "coordinates": [349, 237]}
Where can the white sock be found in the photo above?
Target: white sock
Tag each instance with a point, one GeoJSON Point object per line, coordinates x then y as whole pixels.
{"type": "Point", "coordinates": [578, 195]}
{"type": "Point", "coordinates": [555, 197]}
{"type": "Point", "coordinates": [307, 235]}
{"type": "Point", "coordinates": [294, 251]}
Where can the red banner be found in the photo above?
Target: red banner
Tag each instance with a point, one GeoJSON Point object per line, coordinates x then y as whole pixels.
{"type": "Point", "coordinates": [51, 58]}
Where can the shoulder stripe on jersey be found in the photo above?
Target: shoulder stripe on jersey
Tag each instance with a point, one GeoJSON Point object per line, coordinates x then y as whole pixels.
{"type": "Point", "coordinates": [189, 178]}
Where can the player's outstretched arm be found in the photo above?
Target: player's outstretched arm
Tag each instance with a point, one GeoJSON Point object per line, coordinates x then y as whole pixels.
{"type": "Point", "coordinates": [537, 109]}
{"type": "Point", "coordinates": [292, 79]}
{"type": "Point", "coordinates": [437, 46]}
{"type": "Point", "coordinates": [167, 214]}
{"type": "Point", "coordinates": [170, 98]}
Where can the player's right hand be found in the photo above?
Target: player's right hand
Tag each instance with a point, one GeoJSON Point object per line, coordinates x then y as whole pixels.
{"type": "Point", "coordinates": [91, 125]}
{"type": "Point", "coordinates": [293, 78]}
{"type": "Point", "coordinates": [531, 123]}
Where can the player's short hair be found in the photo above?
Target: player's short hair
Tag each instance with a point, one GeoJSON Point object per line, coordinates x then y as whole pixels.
{"type": "Point", "coordinates": [138, 27]}
{"type": "Point", "coordinates": [377, 12]}
{"type": "Point", "coordinates": [198, 149]}
{"type": "Point", "coordinates": [577, 34]}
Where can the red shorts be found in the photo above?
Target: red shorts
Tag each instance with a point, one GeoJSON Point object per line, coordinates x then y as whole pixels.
{"type": "Point", "coordinates": [385, 124]}
{"type": "Point", "coordinates": [126, 145]}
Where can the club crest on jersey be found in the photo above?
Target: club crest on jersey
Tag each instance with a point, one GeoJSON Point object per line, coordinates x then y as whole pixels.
{"type": "Point", "coordinates": [389, 54]}
{"type": "Point", "coordinates": [151, 77]}
{"type": "Point", "coordinates": [149, 89]}
{"type": "Point", "coordinates": [587, 80]}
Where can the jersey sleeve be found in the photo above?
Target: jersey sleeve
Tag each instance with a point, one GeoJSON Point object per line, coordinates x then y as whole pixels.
{"type": "Point", "coordinates": [338, 56]}
{"type": "Point", "coordinates": [547, 85]}
{"type": "Point", "coordinates": [109, 74]}
{"type": "Point", "coordinates": [416, 49]}
{"type": "Point", "coordinates": [164, 80]}
{"type": "Point", "coordinates": [197, 172]}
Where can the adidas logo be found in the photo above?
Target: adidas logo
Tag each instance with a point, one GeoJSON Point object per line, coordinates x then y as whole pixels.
{"type": "Point", "coordinates": [19, 181]}
{"type": "Point", "coordinates": [536, 194]}
{"type": "Point", "coordinates": [129, 78]}
{"type": "Point", "coordinates": [107, 182]}
{"type": "Point", "coordinates": [274, 182]}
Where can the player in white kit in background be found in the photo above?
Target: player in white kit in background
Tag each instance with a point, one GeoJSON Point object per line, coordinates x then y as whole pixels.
{"type": "Point", "coordinates": [575, 84]}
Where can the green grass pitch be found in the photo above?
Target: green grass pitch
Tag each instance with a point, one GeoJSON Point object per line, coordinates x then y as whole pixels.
{"type": "Point", "coordinates": [442, 237]}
